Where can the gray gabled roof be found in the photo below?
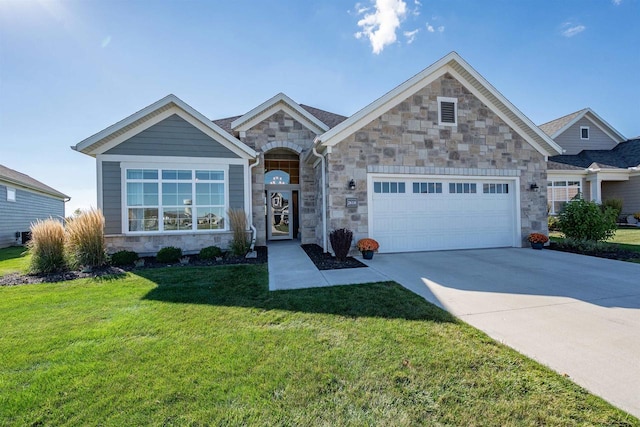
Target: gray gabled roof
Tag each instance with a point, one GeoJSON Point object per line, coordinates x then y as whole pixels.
{"type": "Point", "coordinates": [550, 128]}
{"type": "Point", "coordinates": [622, 156]}
{"type": "Point", "coordinates": [18, 178]}
{"type": "Point", "coordinates": [326, 117]}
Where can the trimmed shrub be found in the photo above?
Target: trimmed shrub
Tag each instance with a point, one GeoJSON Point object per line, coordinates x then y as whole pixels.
{"type": "Point", "coordinates": [587, 246]}
{"type": "Point", "coordinates": [615, 204]}
{"type": "Point", "coordinates": [170, 254]}
{"type": "Point", "coordinates": [210, 252]}
{"type": "Point", "coordinates": [239, 245]}
{"type": "Point", "coordinates": [122, 258]}
{"type": "Point", "coordinates": [553, 223]}
{"type": "Point", "coordinates": [341, 242]}
{"type": "Point", "coordinates": [46, 247]}
{"type": "Point", "coordinates": [85, 240]}
{"type": "Point", "coordinates": [583, 220]}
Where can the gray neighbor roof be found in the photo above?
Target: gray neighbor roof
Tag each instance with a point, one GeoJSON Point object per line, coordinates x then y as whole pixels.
{"type": "Point", "coordinates": [18, 178]}
{"type": "Point", "coordinates": [622, 156]}
{"type": "Point", "coordinates": [554, 126]}
{"type": "Point", "coordinates": [326, 117]}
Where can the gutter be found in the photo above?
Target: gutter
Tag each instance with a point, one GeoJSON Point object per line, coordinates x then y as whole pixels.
{"type": "Point", "coordinates": [254, 232]}
{"type": "Point", "coordinates": [324, 198]}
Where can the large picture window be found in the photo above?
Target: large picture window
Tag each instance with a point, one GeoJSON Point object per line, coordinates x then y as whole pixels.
{"type": "Point", "coordinates": [165, 200]}
{"type": "Point", "coordinates": [560, 192]}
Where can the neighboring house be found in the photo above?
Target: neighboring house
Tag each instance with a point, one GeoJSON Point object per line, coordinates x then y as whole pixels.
{"type": "Point", "coordinates": [598, 162]}
{"type": "Point", "coordinates": [24, 200]}
{"type": "Point", "coordinates": [442, 161]}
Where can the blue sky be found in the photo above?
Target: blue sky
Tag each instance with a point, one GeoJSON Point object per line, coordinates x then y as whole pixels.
{"type": "Point", "coordinates": [69, 69]}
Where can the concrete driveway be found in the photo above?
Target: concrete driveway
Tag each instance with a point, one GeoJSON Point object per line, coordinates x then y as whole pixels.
{"type": "Point", "coordinates": [578, 315]}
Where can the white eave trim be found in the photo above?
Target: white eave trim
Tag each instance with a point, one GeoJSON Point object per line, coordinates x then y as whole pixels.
{"type": "Point", "coordinates": [605, 127]}
{"type": "Point", "coordinates": [169, 104]}
{"type": "Point", "coordinates": [272, 106]}
{"type": "Point", "coordinates": [427, 76]}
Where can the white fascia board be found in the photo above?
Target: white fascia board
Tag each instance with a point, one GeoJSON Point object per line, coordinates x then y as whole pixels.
{"type": "Point", "coordinates": [170, 160]}
{"type": "Point", "coordinates": [180, 108]}
{"type": "Point", "coordinates": [426, 77]}
{"type": "Point", "coordinates": [484, 83]}
{"type": "Point", "coordinates": [266, 109]}
{"type": "Point", "coordinates": [566, 173]}
{"type": "Point", "coordinates": [234, 146]}
{"type": "Point", "coordinates": [385, 102]}
{"type": "Point", "coordinates": [569, 124]}
{"type": "Point", "coordinates": [605, 127]}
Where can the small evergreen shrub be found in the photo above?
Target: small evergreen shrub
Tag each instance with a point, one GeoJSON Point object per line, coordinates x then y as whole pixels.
{"type": "Point", "coordinates": [47, 247]}
{"type": "Point", "coordinates": [170, 254]}
{"type": "Point", "coordinates": [615, 204]}
{"type": "Point", "coordinates": [239, 245]}
{"type": "Point", "coordinates": [587, 246]}
{"type": "Point", "coordinates": [341, 242]}
{"type": "Point", "coordinates": [123, 258]}
{"type": "Point", "coordinates": [85, 240]}
{"type": "Point", "coordinates": [553, 223]}
{"type": "Point", "coordinates": [210, 252]}
{"type": "Point", "coordinates": [584, 220]}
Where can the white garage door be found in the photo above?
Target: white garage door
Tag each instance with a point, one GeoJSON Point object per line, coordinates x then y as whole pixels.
{"type": "Point", "coordinates": [420, 214]}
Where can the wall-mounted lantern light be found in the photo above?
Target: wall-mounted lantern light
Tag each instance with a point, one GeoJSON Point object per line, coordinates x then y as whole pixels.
{"type": "Point", "coordinates": [352, 185]}
{"type": "Point", "coordinates": [534, 187]}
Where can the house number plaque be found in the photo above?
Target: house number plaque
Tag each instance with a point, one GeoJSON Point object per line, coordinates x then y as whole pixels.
{"type": "Point", "coordinates": [352, 202]}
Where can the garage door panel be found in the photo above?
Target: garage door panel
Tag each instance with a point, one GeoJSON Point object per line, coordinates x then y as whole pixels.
{"type": "Point", "coordinates": [439, 221]}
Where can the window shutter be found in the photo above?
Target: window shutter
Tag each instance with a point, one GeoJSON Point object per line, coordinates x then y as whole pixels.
{"type": "Point", "coordinates": [447, 112]}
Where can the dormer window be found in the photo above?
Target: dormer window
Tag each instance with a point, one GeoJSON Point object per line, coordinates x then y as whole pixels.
{"type": "Point", "coordinates": [447, 111]}
{"type": "Point", "coordinates": [584, 132]}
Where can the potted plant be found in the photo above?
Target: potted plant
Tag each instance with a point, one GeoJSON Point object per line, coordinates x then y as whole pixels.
{"type": "Point", "coordinates": [367, 247]}
{"type": "Point", "coordinates": [537, 240]}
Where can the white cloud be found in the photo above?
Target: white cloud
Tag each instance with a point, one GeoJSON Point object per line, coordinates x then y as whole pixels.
{"type": "Point", "coordinates": [106, 41]}
{"type": "Point", "coordinates": [433, 29]}
{"type": "Point", "coordinates": [411, 35]}
{"type": "Point", "coordinates": [572, 30]}
{"type": "Point", "coordinates": [380, 26]}
{"type": "Point", "coordinates": [616, 2]}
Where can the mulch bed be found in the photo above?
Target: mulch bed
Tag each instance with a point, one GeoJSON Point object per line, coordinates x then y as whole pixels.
{"type": "Point", "coordinates": [326, 261]}
{"type": "Point", "coordinates": [619, 254]}
{"type": "Point", "coordinates": [15, 279]}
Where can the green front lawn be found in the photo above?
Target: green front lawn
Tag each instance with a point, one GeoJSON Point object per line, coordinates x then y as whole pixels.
{"type": "Point", "coordinates": [212, 346]}
{"type": "Point", "coordinates": [13, 260]}
{"type": "Point", "coordinates": [626, 238]}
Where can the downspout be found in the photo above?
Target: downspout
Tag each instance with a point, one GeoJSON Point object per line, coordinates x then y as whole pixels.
{"type": "Point", "coordinates": [254, 232]}
{"type": "Point", "coordinates": [324, 199]}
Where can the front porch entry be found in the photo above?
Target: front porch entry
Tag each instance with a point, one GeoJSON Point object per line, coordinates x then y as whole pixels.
{"type": "Point", "coordinates": [282, 194]}
{"type": "Point", "coordinates": [282, 212]}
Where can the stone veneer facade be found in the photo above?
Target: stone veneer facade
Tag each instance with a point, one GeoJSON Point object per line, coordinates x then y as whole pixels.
{"type": "Point", "coordinates": [190, 243]}
{"type": "Point", "coordinates": [407, 139]}
{"type": "Point", "coordinates": [281, 131]}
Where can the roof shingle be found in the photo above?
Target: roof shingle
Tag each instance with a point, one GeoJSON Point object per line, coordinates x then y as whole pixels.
{"type": "Point", "coordinates": [19, 178]}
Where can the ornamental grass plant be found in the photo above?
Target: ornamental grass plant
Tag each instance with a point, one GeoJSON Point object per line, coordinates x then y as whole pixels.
{"type": "Point", "coordinates": [46, 246]}
{"type": "Point", "coordinates": [85, 243]}
{"type": "Point", "coordinates": [239, 245]}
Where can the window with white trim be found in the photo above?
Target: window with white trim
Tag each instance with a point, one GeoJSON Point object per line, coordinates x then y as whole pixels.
{"type": "Point", "coordinates": [561, 192]}
{"type": "Point", "coordinates": [584, 132]}
{"type": "Point", "coordinates": [388, 187]}
{"type": "Point", "coordinates": [166, 200]}
{"type": "Point", "coordinates": [447, 111]}
{"type": "Point", "coordinates": [11, 194]}
{"type": "Point", "coordinates": [427, 187]}
{"type": "Point", "coordinates": [462, 187]}
{"type": "Point", "coordinates": [491, 188]}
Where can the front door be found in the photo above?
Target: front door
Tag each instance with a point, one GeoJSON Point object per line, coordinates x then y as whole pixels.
{"type": "Point", "coordinates": [279, 215]}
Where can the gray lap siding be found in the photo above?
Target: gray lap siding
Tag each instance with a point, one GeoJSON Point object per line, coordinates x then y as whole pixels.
{"type": "Point", "coordinates": [28, 208]}
{"type": "Point", "coordinates": [172, 137]}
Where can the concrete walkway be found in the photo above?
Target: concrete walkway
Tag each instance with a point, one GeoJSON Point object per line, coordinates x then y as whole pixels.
{"type": "Point", "coordinates": [291, 268]}
{"type": "Point", "coordinates": [579, 315]}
